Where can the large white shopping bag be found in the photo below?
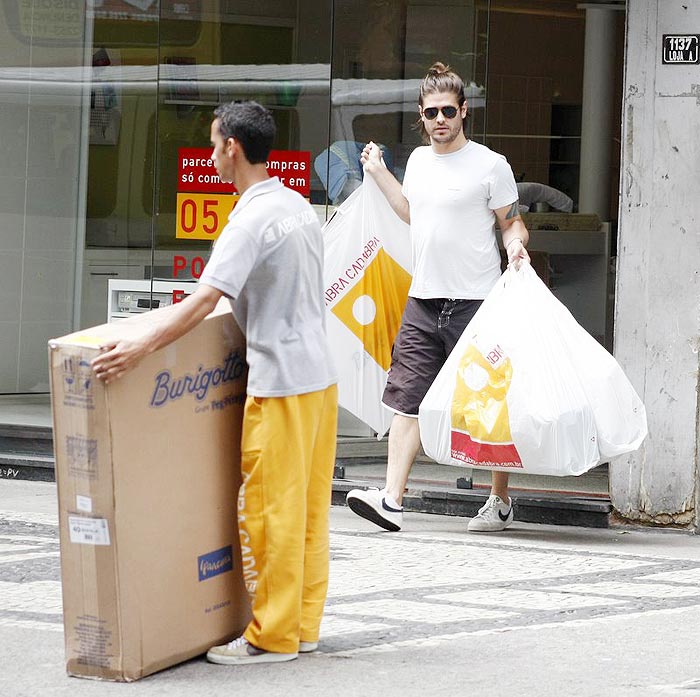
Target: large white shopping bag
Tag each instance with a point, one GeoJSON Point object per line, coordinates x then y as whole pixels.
{"type": "Point", "coordinates": [527, 389]}
{"type": "Point", "coordinates": [620, 416]}
{"type": "Point", "coordinates": [367, 276]}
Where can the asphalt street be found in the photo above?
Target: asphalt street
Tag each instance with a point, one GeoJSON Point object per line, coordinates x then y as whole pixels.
{"type": "Point", "coordinates": [431, 610]}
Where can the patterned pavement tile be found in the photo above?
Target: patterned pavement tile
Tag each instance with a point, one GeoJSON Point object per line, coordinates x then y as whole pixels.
{"type": "Point", "coordinates": [428, 612]}
{"type": "Point", "coordinates": [529, 600]}
{"type": "Point", "coordinates": [389, 591]}
{"type": "Point", "coordinates": [42, 597]}
{"type": "Point", "coordinates": [691, 576]}
{"type": "Point", "coordinates": [633, 590]}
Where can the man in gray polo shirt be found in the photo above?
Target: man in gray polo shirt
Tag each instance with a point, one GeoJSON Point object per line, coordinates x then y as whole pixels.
{"type": "Point", "coordinates": [269, 262]}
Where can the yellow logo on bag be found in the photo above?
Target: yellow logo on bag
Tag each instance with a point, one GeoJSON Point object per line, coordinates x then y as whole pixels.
{"type": "Point", "coordinates": [481, 433]}
{"type": "Point", "coordinates": [372, 308]}
{"type": "Point", "coordinates": [479, 401]}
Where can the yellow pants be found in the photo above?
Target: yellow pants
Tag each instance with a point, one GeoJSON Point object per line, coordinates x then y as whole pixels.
{"type": "Point", "coordinates": [288, 454]}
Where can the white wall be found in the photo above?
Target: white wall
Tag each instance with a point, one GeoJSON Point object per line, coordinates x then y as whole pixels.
{"type": "Point", "coordinates": [657, 318]}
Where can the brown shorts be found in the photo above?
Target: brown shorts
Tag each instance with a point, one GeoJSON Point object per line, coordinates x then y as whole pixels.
{"type": "Point", "coordinates": [429, 331]}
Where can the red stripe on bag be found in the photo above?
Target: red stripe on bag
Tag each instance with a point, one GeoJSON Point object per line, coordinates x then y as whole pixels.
{"type": "Point", "coordinates": [478, 454]}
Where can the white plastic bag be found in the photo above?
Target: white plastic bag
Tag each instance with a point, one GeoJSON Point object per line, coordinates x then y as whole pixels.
{"type": "Point", "coordinates": [367, 262]}
{"type": "Point", "coordinates": [528, 389]}
{"type": "Point", "coordinates": [620, 416]}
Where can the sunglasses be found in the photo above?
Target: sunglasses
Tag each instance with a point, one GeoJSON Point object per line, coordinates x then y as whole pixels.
{"type": "Point", "coordinates": [431, 112]}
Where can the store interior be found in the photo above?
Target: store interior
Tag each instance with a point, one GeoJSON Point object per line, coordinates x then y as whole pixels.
{"type": "Point", "coordinates": [96, 112]}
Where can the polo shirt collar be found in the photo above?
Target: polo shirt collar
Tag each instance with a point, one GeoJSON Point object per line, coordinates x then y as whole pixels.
{"type": "Point", "coordinates": [267, 186]}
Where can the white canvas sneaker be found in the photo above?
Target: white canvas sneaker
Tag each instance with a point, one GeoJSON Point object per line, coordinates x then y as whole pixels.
{"type": "Point", "coordinates": [493, 516]}
{"type": "Point", "coordinates": [239, 652]}
{"type": "Point", "coordinates": [371, 504]}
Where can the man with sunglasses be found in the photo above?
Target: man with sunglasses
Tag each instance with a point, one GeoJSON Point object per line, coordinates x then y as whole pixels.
{"type": "Point", "coordinates": [454, 190]}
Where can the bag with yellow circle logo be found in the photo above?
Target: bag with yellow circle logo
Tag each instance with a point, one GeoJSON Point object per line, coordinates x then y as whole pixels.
{"type": "Point", "coordinates": [528, 389]}
{"type": "Point", "coordinates": [367, 274]}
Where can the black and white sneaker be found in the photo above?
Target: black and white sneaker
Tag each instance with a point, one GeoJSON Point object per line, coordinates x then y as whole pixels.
{"type": "Point", "coordinates": [371, 504]}
{"type": "Point", "coordinates": [493, 516]}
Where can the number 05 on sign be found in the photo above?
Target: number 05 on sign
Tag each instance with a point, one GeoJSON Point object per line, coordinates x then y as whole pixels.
{"type": "Point", "coordinates": [203, 216]}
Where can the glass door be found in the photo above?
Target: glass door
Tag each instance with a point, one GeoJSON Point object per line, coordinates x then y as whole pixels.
{"type": "Point", "coordinates": [120, 172]}
{"type": "Point", "coordinates": [376, 75]}
{"type": "Point", "coordinates": [44, 103]}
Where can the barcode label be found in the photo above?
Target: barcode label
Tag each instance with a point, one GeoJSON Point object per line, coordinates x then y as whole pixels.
{"type": "Point", "coordinates": [88, 531]}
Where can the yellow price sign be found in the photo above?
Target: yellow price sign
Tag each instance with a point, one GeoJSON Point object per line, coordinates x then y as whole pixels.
{"type": "Point", "coordinates": [203, 216]}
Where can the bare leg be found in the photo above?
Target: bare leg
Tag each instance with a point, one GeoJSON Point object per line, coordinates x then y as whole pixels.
{"type": "Point", "coordinates": [499, 485]}
{"type": "Point", "coordinates": [404, 443]}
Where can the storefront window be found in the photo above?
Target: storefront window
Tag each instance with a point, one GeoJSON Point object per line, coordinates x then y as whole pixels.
{"type": "Point", "coordinates": [109, 206]}
{"type": "Point", "coordinates": [120, 173]}
{"type": "Point", "coordinates": [376, 78]}
{"type": "Point", "coordinates": [375, 87]}
{"type": "Point", "coordinates": [534, 112]}
{"type": "Point", "coordinates": [277, 54]}
{"type": "Point", "coordinates": [43, 120]}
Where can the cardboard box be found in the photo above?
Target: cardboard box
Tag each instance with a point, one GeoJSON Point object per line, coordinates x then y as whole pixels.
{"type": "Point", "coordinates": [148, 470]}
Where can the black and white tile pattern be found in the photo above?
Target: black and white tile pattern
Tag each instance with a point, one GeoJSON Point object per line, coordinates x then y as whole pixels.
{"type": "Point", "coordinates": [389, 591]}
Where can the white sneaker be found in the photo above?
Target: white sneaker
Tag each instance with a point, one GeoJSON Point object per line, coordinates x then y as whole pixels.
{"type": "Point", "coordinates": [239, 651]}
{"type": "Point", "coordinates": [307, 646]}
{"type": "Point", "coordinates": [371, 504]}
{"type": "Point", "coordinates": [493, 516]}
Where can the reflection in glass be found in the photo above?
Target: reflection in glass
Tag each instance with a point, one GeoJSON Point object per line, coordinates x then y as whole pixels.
{"type": "Point", "coordinates": [377, 73]}
{"type": "Point", "coordinates": [43, 103]}
{"type": "Point", "coordinates": [276, 54]}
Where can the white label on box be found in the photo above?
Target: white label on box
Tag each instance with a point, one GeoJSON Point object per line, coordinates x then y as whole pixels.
{"type": "Point", "coordinates": [83, 503]}
{"type": "Point", "coordinates": [88, 531]}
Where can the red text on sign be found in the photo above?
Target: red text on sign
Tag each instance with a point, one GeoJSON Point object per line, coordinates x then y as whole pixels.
{"type": "Point", "coordinates": [195, 267]}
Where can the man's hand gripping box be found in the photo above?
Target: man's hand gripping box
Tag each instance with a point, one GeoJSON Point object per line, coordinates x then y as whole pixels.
{"type": "Point", "coordinates": [148, 470]}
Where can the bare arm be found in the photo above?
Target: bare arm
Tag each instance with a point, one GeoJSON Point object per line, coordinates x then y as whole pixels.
{"type": "Point", "coordinates": [371, 160]}
{"type": "Point", "coordinates": [515, 234]}
{"type": "Point", "coordinates": [121, 356]}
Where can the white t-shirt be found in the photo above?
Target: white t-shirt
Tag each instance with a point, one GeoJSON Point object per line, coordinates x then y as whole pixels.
{"type": "Point", "coordinates": [269, 262]}
{"type": "Point", "coordinates": [451, 199]}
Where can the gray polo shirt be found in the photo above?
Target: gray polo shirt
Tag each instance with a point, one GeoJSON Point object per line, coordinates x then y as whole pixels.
{"type": "Point", "coordinates": [269, 262]}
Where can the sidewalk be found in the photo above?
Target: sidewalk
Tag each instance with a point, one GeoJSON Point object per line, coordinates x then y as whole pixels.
{"type": "Point", "coordinates": [432, 610]}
